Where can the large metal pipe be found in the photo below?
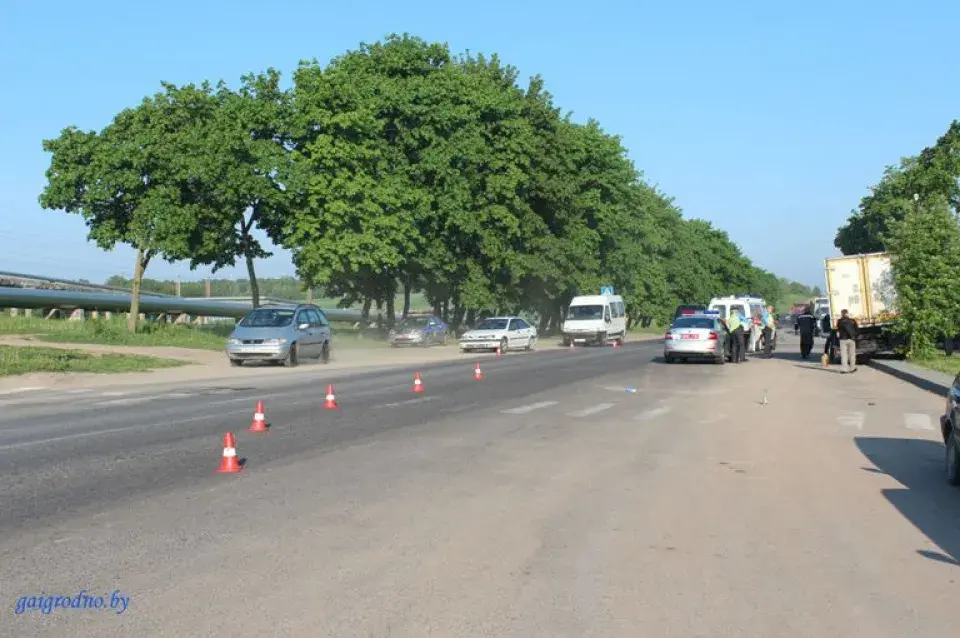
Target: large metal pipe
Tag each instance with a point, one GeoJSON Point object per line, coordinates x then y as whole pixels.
{"type": "Point", "coordinates": [120, 302]}
{"type": "Point", "coordinates": [69, 283]}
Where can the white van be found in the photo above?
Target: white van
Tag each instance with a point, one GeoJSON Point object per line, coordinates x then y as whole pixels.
{"type": "Point", "coordinates": [751, 307]}
{"type": "Point", "coordinates": [595, 319]}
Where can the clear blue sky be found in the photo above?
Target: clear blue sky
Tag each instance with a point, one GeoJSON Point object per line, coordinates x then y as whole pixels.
{"type": "Point", "coordinates": [770, 121]}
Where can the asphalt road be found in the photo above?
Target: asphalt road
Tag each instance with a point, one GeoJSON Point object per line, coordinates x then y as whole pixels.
{"type": "Point", "coordinates": [546, 500]}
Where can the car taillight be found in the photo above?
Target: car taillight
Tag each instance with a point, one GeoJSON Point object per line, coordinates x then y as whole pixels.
{"type": "Point", "coordinates": [713, 336]}
{"type": "Point", "coordinates": [668, 335]}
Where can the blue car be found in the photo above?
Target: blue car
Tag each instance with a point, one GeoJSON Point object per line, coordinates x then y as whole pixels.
{"type": "Point", "coordinates": [419, 331]}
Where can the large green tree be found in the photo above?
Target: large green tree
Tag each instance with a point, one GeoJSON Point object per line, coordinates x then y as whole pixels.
{"type": "Point", "coordinates": [131, 181]}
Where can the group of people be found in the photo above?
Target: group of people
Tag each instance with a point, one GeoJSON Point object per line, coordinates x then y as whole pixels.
{"type": "Point", "coordinates": [843, 337]}
{"type": "Point", "coordinates": [740, 328]}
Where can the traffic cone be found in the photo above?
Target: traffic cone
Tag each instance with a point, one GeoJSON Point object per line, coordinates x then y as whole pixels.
{"type": "Point", "coordinates": [331, 402]}
{"type": "Point", "coordinates": [499, 354]}
{"type": "Point", "coordinates": [417, 383]}
{"type": "Point", "coordinates": [614, 345]}
{"type": "Point", "coordinates": [571, 346]}
{"type": "Point", "coordinates": [478, 373]}
{"type": "Point", "coordinates": [259, 419]}
{"type": "Point", "coordinates": [229, 462]}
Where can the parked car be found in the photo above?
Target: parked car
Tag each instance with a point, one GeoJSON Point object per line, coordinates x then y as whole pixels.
{"type": "Point", "coordinates": [697, 337]}
{"type": "Point", "coordinates": [595, 319]}
{"type": "Point", "coordinates": [687, 310]}
{"type": "Point", "coordinates": [506, 333]}
{"type": "Point", "coordinates": [949, 422]}
{"type": "Point", "coordinates": [419, 331]}
{"type": "Point", "coordinates": [280, 333]}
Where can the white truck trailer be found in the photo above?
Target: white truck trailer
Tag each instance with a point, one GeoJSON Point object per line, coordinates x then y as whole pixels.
{"type": "Point", "coordinates": [863, 285]}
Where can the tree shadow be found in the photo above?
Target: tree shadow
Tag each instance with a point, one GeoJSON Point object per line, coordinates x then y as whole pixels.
{"type": "Point", "coordinates": [926, 499]}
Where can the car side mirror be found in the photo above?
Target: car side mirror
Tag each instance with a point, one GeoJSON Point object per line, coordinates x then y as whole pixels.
{"type": "Point", "coordinates": [303, 326]}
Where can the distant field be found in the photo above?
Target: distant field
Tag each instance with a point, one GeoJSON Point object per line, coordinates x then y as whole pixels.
{"type": "Point", "coordinates": [20, 360]}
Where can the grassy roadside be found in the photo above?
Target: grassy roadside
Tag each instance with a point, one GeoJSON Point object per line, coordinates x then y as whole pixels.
{"type": "Point", "coordinates": [114, 332]}
{"type": "Point", "coordinates": [21, 360]}
{"type": "Point", "coordinates": [940, 363]}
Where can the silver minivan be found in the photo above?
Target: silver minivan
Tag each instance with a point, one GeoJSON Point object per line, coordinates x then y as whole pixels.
{"type": "Point", "coordinates": [282, 334]}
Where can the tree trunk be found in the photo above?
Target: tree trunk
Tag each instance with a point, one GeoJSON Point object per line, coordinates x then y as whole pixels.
{"type": "Point", "coordinates": [391, 312]}
{"type": "Point", "coordinates": [143, 258]}
{"type": "Point", "coordinates": [254, 286]}
{"type": "Point", "coordinates": [407, 290]}
{"type": "Point", "coordinates": [446, 310]}
{"type": "Point", "coordinates": [365, 313]}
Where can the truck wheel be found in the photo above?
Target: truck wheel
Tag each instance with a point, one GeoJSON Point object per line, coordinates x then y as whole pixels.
{"type": "Point", "coordinates": [602, 339]}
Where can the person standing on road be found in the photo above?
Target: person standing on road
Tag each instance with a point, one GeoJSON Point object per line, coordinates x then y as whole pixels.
{"type": "Point", "coordinates": [769, 330]}
{"type": "Point", "coordinates": [735, 328]}
{"type": "Point", "coordinates": [847, 332]}
{"type": "Point", "coordinates": [806, 324]}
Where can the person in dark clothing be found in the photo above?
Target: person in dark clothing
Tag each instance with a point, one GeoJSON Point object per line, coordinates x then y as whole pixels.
{"type": "Point", "coordinates": [847, 332]}
{"type": "Point", "coordinates": [806, 324]}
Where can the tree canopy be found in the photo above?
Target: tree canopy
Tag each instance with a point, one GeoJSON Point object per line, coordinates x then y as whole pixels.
{"type": "Point", "coordinates": [932, 176]}
{"type": "Point", "coordinates": [396, 168]}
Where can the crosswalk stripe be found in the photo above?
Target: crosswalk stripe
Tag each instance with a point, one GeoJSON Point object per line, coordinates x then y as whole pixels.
{"type": "Point", "coordinates": [523, 409]}
{"type": "Point", "coordinates": [918, 421]}
{"type": "Point", "coordinates": [592, 410]}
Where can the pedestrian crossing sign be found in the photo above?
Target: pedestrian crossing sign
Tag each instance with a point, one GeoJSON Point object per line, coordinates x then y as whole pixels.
{"type": "Point", "coordinates": [606, 290]}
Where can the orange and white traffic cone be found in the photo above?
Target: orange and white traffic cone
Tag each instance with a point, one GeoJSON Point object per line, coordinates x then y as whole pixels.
{"type": "Point", "coordinates": [259, 419]}
{"type": "Point", "coordinates": [331, 402]}
{"type": "Point", "coordinates": [229, 462]}
{"type": "Point", "coordinates": [478, 373]}
{"type": "Point", "coordinates": [499, 353]}
{"type": "Point", "coordinates": [571, 346]}
{"type": "Point", "coordinates": [417, 383]}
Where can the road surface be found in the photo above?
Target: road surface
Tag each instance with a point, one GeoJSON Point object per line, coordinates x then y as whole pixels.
{"type": "Point", "coordinates": [546, 500]}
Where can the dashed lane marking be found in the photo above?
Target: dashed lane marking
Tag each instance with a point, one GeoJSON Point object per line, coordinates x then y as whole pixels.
{"type": "Point", "coordinates": [407, 402]}
{"type": "Point", "coordinates": [596, 409]}
{"type": "Point", "coordinates": [652, 414]}
{"type": "Point", "coordinates": [918, 421]}
{"type": "Point", "coordinates": [529, 408]}
{"type": "Point", "coordinates": [851, 420]}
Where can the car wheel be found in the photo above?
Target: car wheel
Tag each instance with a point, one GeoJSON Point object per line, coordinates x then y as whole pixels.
{"type": "Point", "coordinates": [293, 357]}
{"type": "Point", "coordinates": [622, 339]}
{"type": "Point", "coordinates": [236, 363]}
{"type": "Point", "coordinates": [668, 358]}
{"type": "Point", "coordinates": [603, 339]}
{"type": "Point", "coordinates": [566, 342]}
{"type": "Point", "coordinates": [325, 352]}
{"type": "Point", "coordinates": [952, 460]}
{"type": "Point", "coordinates": [531, 344]}
{"type": "Point", "coordinates": [503, 345]}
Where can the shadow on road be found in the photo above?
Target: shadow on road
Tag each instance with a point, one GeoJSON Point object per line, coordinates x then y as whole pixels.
{"type": "Point", "coordinates": [926, 499]}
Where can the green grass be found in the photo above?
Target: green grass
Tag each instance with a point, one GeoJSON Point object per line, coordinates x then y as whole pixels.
{"type": "Point", "coordinates": [16, 360]}
{"type": "Point", "coordinates": [114, 332]}
{"type": "Point", "coordinates": [940, 363]}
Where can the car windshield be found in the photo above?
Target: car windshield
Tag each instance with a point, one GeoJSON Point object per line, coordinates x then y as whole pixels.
{"type": "Point", "coordinates": [694, 322]}
{"type": "Point", "coordinates": [264, 318]}
{"type": "Point", "coordinates": [585, 312]}
{"type": "Point", "coordinates": [414, 323]}
{"type": "Point", "coordinates": [492, 324]}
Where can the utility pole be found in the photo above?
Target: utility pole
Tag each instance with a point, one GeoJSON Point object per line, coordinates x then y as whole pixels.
{"type": "Point", "coordinates": [178, 286]}
{"type": "Point", "coordinates": [206, 287]}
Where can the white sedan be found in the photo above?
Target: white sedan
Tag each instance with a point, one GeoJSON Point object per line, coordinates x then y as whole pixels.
{"type": "Point", "coordinates": [505, 333]}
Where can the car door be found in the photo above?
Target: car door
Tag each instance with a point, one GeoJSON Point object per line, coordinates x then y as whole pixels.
{"type": "Point", "coordinates": [524, 333]}
{"type": "Point", "coordinates": [304, 330]}
{"type": "Point", "coordinates": [320, 329]}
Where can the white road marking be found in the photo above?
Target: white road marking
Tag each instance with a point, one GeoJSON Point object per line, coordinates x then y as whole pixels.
{"type": "Point", "coordinates": [25, 389]}
{"type": "Point", "coordinates": [128, 401]}
{"type": "Point", "coordinates": [407, 402]}
{"type": "Point", "coordinates": [600, 407]}
{"type": "Point", "coordinates": [851, 420]}
{"type": "Point", "coordinates": [529, 408]}
{"type": "Point", "coordinates": [918, 421]}
{"type": "Point", "coordinates": [80, 391]}
{"type": "Point", "coordinates": [652, 414]}
{"type": "Point", "coordinates": [113, 394]}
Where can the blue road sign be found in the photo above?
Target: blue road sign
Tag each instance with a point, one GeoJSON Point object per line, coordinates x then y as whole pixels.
{"type": "Point", "coordinates": [606, 290]}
